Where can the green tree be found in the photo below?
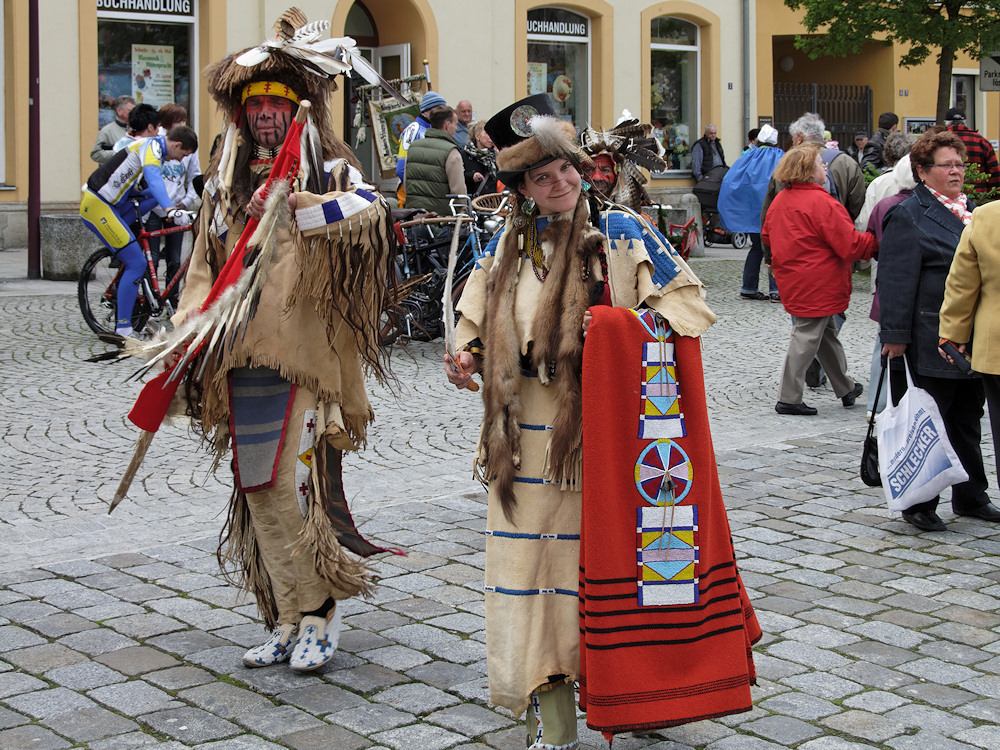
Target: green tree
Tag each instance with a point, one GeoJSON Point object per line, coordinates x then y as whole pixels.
{"type": "Point", "coordinates": [841, 27]}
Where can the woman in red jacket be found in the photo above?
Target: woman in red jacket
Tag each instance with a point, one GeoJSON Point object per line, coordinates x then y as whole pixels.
{"type": "Point", "coordinates": [813, 243]}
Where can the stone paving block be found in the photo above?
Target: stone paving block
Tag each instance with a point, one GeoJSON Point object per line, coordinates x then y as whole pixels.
{"type": "Point", "coordinates": [928, 718]}
{"type": "Point", "coordinates": [377, 621]}
{"type": "Point", "coordinates": [322, 698]}
{"type": "Point", "coordinates": [867, 726]}
{"type": "Point", "coordinates": [876, 701]}
{"type": "Point", "coordinates": [955, 631]}
{"type": "Point", "coordinates": [100, 641]}
{"type": "Point", "coordinates": [742, 742]}
{"type": "Point", "coordinates": [419, 608]}
{"type": "Point", "coordinates": [10, 718]}
{"type": "Point", "coordinates": [185, 642]}
{"type": "Point", "coordinates": [221, 596]}
{"type": "Point", "coordinates": [461, 623]}
{"type": "Point", "coordinates": [820, 636]}
{"type": "Point", "coordinates": [225, 700]}
{"type": "Point", "coordinates": [358, 641]}
{"type": "Point", "coordinates": [414, 697]}
{"type": "Point", "coordinates": [985, 736]}
{"type": "Point", "coordinates": [274, 681]}
{"type": "Point", "coordinates": [798, 705]}
{"type": "Point", "coordinates": [62, 623]}
{"type": "Point", "coordinates": [442, 674]}
{"type": "Point", "coordinates": [936, 670]}
{"type": "Point", "coordinates": [136, 660]}
{"type": "Point", "coordinates": [878, 653]}
{"type": "Point", "coordinates": [39, 659]}
{"type": "Point", "coordinates": [823, 685]}
{"type": "Point", "coordinates": [241, 742]}
{"type": "Point", "coordinates": [922, 740]}
{"type": "Point", "coordinates": [805, 654]}
{"type": "Point", "coordinates": [936, 695]}
{"type": "Point", "coordinates": [124, 560]}
{"type": "Point", "coordinates": [370, 718]}
{"type": "Point", "coordinates": [131, 741]}
{"type": "Point", "coordinates": [399, 658]}
{"type": "Point", "coordinates": [365, 678]}
{"type": "Point", "coordinates": [13, 637]}
{"type": "Point", "coordinates": [221, 660]}
{"type": "Point", "coordinates": [109, 580]}
{"type": "Point", "coordinates": [250, 634]}
{"type": "Point", "coordinates": [782, 605]}
{"type": "Point", "coordinates": [983, 617]}
{"type": "Point", "coordinates": [84, 676]}
{"type": "Point", "coordinates": [45, 703]}
{"type": "Point", "coordinates": [833, 743]}
{"type": "Point", "coordinates": [890, 634]}
{"type": "Point", "coordinates": [141, 592]}
{"type": "Point", "coordinates": [145, 626]}
{"type": "Point", "coordinates": [89, 724]}
{"type": "Point", "coordinates": [325, 737]}
{"type": "Point", "coordinates": [905, 619]}
{"type": "Point", "coordinates": [115, 608]}
{"type": "Point", "coordinates": [784, 729]}
{"type": "Point", "coordinates": [31, 736]}
{"type": "Point", "coordinates": [460, 652]}
{"type": "Point", "coordinates": [189, 724]}
{"type": "Point", "coordinates": [873, 675]}
{"type": "Point", "coordinates": [988, 686]}
{"type": "Point", "coordinates": [133, 698]}
{"type": "Point", "coordinates": [178, 678]}
{"type": "Point", "coordinates": [46, 587]}
{"type": "Point", "coordinates": [420, 735]}
{"type": "Point", "coordinates": [275, 722]}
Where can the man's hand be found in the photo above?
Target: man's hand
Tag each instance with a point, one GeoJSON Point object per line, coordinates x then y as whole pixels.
{"type": "Point", "coordinates": [258, 201]}
{"type": "Point", "coordinates": [460, 369]}
{"type": "Point", "coordinates": [180, 217]}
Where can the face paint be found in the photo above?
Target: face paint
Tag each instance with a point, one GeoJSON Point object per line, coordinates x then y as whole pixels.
{"type": "Point", "coordinates": [268, 118]}
{"type": "Point", "coordinates": [603, 178]}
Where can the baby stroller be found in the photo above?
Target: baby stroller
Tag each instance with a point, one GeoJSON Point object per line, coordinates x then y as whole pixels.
{"type": "Point", "coordinates": [707, 193]}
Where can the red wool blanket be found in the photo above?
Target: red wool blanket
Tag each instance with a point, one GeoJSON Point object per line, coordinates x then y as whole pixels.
{"type": "Point", "coordinates": [665, 623]}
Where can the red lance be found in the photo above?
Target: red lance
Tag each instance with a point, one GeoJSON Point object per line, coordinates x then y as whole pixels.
{"type": "Point", "coordinates": [151, 406]}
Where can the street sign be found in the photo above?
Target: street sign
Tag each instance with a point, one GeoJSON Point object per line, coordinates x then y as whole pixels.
{"type": "Point", "coordinates": [989, 72]}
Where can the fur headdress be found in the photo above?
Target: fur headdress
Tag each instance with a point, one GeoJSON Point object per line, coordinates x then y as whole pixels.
{"type": "Point", "coordinates": [528, 135]}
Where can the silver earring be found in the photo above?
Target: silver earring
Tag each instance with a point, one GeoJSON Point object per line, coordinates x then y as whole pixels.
{"type": "Point", "coordinates": [528, 207]}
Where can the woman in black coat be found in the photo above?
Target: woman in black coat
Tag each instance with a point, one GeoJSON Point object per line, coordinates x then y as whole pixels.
{"type": "Point", "coordinates": [918, 243]}
{"type": "Point", "coordinates": [480, 161]}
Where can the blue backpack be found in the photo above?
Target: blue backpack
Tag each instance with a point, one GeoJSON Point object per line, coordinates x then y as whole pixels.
{"type": "Point", "coordinates": [828, 156]}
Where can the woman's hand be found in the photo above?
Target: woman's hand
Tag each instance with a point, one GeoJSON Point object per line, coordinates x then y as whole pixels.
{"type": "Point", "coordinates": [588, 318]}
{"type": "Point", "coordinates": [257, 202]}
{"type": "Point", "coordinates": [893, 350]}
{"type": "Point", "coordinates": [459, 370]}
{"type": "Point", "coordinates": [477, 177]}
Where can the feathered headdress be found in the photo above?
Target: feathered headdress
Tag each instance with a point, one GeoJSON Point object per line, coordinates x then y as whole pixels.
{"type": "Point", "coordinates": [630, 145]}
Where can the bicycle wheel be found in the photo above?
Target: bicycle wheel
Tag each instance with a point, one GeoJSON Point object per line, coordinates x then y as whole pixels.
{"type": "Point", "coordinates": [97, 292]}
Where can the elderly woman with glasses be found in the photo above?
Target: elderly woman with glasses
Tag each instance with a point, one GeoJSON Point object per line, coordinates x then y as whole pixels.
{"type": "Point", "coordinates": [918, 243]}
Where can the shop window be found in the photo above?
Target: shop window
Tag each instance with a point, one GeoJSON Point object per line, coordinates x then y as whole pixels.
{"type": "Point", "coordinates": [559, 61]}
{"type": "Point", "coordinates": [147, 56]}
{"type": "Point", "coordinates": [675, 56]}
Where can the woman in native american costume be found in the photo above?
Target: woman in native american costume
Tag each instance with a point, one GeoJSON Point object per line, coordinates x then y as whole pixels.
{"type": "Point", "coordinates": [523, 326]}
{"type": "Point", "coordinates": [281, 380]}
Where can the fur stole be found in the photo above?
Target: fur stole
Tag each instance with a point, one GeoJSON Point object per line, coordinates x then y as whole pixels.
{"type": "Point", "coordinates": [557, 351]}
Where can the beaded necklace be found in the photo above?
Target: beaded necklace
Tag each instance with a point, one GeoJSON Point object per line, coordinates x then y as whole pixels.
{"type": "Point", "coordinates": [534, 251]}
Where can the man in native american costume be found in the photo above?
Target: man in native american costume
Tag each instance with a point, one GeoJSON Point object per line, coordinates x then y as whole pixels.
{"type": "Point", "coordinates": [563, 437]}
{"type": "Point", "coordinates": [281, 380]}
{"type": "Point", "coordinates": [618, 156]}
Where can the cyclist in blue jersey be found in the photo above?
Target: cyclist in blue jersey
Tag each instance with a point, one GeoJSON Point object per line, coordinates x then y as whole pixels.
{"type": "Point", "coordinates": [106, 208]}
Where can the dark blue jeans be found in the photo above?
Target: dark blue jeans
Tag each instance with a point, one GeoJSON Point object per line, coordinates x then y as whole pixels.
{"type": "Point", "coordinates": [173, 244]}
{"type": "Point", "coordinates": [751, 269]}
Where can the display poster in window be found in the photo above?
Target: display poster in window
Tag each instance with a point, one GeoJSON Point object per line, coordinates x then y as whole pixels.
{"type": "Point", "coordinates": [389, 119]}
{"type": "Point", "coordinates": [537, 74]}
{"type": "Point", "coordinates": [153, 74]}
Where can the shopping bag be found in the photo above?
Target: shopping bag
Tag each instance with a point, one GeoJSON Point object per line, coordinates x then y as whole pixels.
{"type": "Point", "coordinates": [916, 459]}
{"type": "Point", "coordinates": [869, 453]}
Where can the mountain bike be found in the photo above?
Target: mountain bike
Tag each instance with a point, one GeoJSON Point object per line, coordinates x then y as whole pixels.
{"type": "Point", "coordinates": [97, 289]}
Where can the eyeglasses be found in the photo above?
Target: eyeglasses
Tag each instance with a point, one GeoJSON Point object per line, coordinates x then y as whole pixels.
{"type": "Point", "coordinates": [949, 167]}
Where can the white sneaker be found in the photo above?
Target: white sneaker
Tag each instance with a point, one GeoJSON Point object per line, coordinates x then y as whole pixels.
{"type": "Point", "coordinates": [273, 651]}
{"type": "Point", "coordinates": [318, 639]}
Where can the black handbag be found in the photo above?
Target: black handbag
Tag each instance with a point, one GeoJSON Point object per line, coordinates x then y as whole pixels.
{"type": "Point", "coordinates": [869, 454]}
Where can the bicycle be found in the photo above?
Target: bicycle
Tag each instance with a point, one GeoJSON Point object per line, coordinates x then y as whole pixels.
{"type": "Point", "coordinates": [97, 289]}
{"type": "Point", "coordinates": [422, 263]}
{"type": "Point", "coordinates": [682, 236]}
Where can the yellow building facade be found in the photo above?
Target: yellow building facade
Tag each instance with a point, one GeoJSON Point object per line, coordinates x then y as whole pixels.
{"type": "Point", "coordinates": [680, 64]}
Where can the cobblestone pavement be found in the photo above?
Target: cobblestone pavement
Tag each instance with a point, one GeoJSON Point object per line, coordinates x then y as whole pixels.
{"type": "Point", "coordinates": [117, 631]}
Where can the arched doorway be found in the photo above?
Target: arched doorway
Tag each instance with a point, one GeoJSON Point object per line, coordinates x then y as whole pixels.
{"type": "Point", "coordinates": [393, 35]}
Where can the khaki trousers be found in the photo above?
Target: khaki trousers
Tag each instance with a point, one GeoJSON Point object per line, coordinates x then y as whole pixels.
{"type": "Point", "coordinates": [813, 337]}
{"type": "Point", "coordinates": [277, 522]}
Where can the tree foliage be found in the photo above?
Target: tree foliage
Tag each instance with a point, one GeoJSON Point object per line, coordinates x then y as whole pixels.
{"type": "Point", "coordinates": [841, 27]}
